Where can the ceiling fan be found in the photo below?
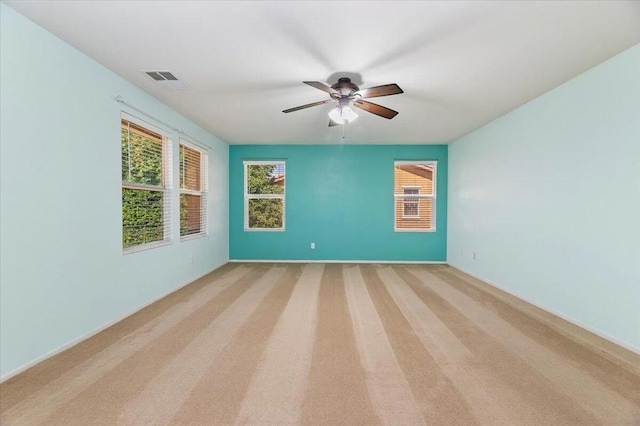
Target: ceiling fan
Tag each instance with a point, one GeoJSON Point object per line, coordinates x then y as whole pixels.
{"type": "Point", "coordinates": [347, 93]}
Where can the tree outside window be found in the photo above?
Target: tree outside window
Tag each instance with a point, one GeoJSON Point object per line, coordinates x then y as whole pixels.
{"type": "Point", "coordinates": [264, 195]}
{"type": "Point", "coordinates": [145, 186]}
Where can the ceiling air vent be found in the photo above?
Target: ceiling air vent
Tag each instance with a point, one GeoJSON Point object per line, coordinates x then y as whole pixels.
{"type": "Point", "coordinates": [166, 79]}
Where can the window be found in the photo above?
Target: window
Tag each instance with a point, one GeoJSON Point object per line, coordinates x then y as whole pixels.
{"type": "Point", "coordinates": [415, 195]}
{"type": "Point", "coordinates": [146, 185]}
{"type": "Point", "coordinates": [264, 194]}
{"type": "Point", "coordinates": [193, 190]}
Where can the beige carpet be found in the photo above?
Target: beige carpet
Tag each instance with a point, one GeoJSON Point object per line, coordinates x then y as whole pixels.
{"type": "Point", "coordinates": [327, 345]}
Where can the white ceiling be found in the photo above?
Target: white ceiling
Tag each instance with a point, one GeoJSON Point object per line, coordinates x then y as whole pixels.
{"type": "Point", "coordinates": [461, 64]}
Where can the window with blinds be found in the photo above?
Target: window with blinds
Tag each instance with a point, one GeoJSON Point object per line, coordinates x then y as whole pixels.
{"type": "Point", "coordinates": [264, 195]}
{"type": "Point", "coordinates": [193, 190]}
{"type": "Point", "coordinates": [414, 195]}
{"type": "Point", "coordinates": [146, 185]}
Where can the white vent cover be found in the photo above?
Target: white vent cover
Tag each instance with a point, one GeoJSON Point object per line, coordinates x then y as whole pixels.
{"type": "Point", "coordinates": [166, 79]}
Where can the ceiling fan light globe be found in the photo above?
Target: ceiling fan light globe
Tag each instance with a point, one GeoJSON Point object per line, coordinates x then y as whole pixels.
{"type": "Point", "coordinates": [336, 116]}
{"type": "Point", "coordinates": [348, 114]}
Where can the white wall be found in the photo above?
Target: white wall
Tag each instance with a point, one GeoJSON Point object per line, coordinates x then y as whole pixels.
{"type": "Point", "coordinates": [548, 197]}
{"type": "Point", "coordinates": [62, 271]}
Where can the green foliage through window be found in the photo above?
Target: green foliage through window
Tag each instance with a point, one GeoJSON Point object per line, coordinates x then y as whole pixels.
{"type": "Point", "coordinates": [141, 158]}
{"type": "Point", "coordinates": [261, 179]}
{"type": "Point", "coordinates": [265, 195]}
{"type": "Point", "coordinates": [143, 217]}
{"type": "Point", "coordinates": [265, 213]}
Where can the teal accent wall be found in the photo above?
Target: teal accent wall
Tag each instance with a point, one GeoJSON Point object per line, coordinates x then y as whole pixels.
{"type": "Point", "coordinates": [63, 275]}
{"type": "Point", "coordinates": [341, 198]}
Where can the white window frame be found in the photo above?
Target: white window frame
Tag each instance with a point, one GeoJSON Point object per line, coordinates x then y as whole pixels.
{"type": "Point", "coordinates": [166, 189]}
{"type": "Point", "coordinates": [248, 196]}
{"type": "Point", "coordinates": [433, 196]}
{"type": "Point", "coordinates": [415, 201]}
{"type": "Point", "coordinates": [204, 189]}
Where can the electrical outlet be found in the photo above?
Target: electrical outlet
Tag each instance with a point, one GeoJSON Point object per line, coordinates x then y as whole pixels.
{"type": "Point", "coordinates": [474, 255]}
{"type": "Point", "coordinates": [192, 260]}
{"type": "Point", "coordinates": [313, 246]}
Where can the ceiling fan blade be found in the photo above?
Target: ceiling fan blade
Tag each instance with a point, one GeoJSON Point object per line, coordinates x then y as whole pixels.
{"type": "Point", "coordinates": [333, 123]}
{"type": "Point", "coordinates": [374, 92]}
{"type": "Point", "coordinates": [322, 86]}
{"type": "Point", "coordinates": [376, 109]}
{"type": "Point", "coordinates": [307, 106]}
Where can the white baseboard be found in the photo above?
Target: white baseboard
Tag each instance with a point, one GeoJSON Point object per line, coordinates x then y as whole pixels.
{"type": "Point", "coordinates": [85, 336]}
{"type": "Point", "coordinates": [417, 262]}
{"type": "Point", "coordinates": [562, 316]}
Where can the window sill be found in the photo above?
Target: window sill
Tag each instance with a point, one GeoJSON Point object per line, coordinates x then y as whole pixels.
{"type": "Point", "coordinates": [413, 230]}
{"type": "Point", "coordinates": [143, 247]}
{"type": "Point", "coordinates": [193, 236]}
{"type": "Point", "coordinates": [264, 229]}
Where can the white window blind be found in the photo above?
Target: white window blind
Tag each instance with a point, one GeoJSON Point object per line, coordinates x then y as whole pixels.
{"type": "Point", "coordinates": [415, 195]}
{"type": "Point", "coordinates": [146, 185]}
{"type": "Point", "coordinates": [193, 190]}
{"type": "Point", "coordinates": [264, 195]}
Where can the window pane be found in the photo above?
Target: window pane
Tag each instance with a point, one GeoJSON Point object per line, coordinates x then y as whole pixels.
{"type": "Point", "coordinates": [193, 190]}
{"type": "Point", "coordinates": [190, 214]}
{"type": "Point", "coordinates": [418, 176]}
{"type": "Point", "coordinates": [266, 213]}
{"type": "Point", "coordinates": [190, 163]}
{"type": "Point", "coordinates": [142, 217]}
{"type": "Point", "coordinates": [265, 179]}
{"type": "Point", "coordinates": [141, 155]}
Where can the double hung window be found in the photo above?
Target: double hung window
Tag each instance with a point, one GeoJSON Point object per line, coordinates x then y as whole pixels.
{"type": "Point", "coordinates": [146, 185]}
{"type": "Point", "coordinates": [193, 190]}
{"type": "Point", "coordinates": [415, 195]}
{"type": "Point", "coordinates": [264, 195]}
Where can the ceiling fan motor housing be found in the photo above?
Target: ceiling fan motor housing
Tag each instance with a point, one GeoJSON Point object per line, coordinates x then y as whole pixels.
{"type": "Point", "coordinates": [345, 87]}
